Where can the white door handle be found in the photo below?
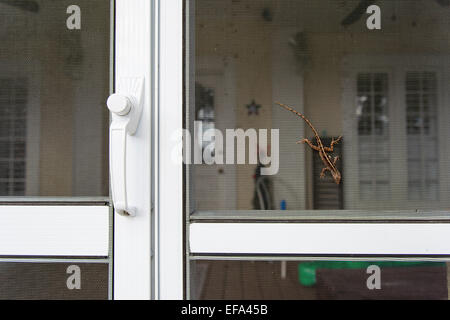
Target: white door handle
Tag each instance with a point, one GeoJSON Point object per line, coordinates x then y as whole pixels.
{"type": "Point", "coordinates": [126, 110]}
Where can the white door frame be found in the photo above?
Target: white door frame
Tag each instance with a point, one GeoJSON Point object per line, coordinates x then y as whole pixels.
{"type": "Point", "coordinates": [132, 235]}
{"type": "Point", "coordinates": [148, 248]}
{"type": "Point", "coordinates": [149, 43]}
{"type": "Point", "coordinates": [169, 223]}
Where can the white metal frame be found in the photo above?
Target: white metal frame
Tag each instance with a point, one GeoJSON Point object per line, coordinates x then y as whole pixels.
{"type": "Point", "coordinates": [320, 238]}
{"type": "Point", "coordinates": [132, 235]}
{"type": "Point", "coordinates": [169, 251]}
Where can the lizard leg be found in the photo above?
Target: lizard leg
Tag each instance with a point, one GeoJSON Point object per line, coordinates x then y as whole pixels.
{"type": "Point", "coordinates": [333, 142]}
{"type": "Point", "coordinates": [309, 144]}
{"type": "Point", "coordinates": [335, 160]}
{"type": "Point", "coordinates": [322, 174]}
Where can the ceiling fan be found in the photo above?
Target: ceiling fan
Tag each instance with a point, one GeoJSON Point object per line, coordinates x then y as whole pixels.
{"type": "Point", "coordinates": [26, 5]}
{"type": "Point", "coordinates": [361, 8]}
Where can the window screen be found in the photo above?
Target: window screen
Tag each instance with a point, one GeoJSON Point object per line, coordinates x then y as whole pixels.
{"type": "Point", "coordinates": [319, 280]}
{"type": "Point", "coordinates": [54, 281]}
{"type": "Point", "coordinates": [380, 88]}
{"type": "Point", "coordinates": [54, 82]}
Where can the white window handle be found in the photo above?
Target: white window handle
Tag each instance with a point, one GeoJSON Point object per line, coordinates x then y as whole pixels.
{"type": "Point", "coordinates": [126, 110]}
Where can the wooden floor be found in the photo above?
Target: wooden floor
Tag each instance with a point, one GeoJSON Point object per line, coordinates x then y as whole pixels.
{"type": "Point", "coordinates": [243, 280]}
{"type": "Point", "coordinates": [246, 280]}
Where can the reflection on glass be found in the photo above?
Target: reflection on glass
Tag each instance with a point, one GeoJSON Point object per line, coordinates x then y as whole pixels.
{"type": "Point", "coordinates": [383, 91]}
{"type": "Point", "coordinates": [311, 280]}
{"type": "Point", "coordinates": [54, 82]}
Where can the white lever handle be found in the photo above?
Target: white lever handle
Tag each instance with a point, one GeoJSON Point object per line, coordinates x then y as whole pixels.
{"type": "Point", "coordinates": [126, 110]}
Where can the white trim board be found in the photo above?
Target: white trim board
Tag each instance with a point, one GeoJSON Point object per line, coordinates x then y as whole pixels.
{"type": "Point", "coordinates": [320, 238]}
{"type": "Point", "coordinates": [54, 231]}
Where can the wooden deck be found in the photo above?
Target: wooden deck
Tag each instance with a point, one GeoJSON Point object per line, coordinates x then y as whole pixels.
{"type": "Point", "coordinates": [260, 280]}
{"type": "Point", "coordinates": [246, 280]}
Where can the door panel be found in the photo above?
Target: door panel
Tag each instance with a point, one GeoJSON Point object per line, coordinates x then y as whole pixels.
{"type": "Point", "coordinates": [55, 212]}
{"type": "Point", "coordinates": [379, 94]}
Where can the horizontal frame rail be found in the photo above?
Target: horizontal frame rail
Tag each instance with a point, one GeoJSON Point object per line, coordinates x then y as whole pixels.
{"type": "Point", "coordinates": [60, 201]}
{"type": "Point", "coordinates": [311, 216]}
{"type": "Point", "coordinates": [55, 230]}
{"type": "Point", "coordinates": [401, 239]}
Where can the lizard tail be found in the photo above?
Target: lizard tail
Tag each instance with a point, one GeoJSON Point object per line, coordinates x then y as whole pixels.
{"type": "Point", "coordinates": [300, 115]}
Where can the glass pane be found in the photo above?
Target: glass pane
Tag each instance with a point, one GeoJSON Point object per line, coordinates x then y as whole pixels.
{"type": "Point", "coordinates": [372, 87]}
{"type": "Point", "coordinates": [54, 81]}
{"type": "Point", "coordinates": [79, 281]}
{"type": "Point", "coordinates": [310, 280]}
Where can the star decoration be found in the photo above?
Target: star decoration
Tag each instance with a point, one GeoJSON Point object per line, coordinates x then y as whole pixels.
{"type": "Point", "coordinates": [253, 108]}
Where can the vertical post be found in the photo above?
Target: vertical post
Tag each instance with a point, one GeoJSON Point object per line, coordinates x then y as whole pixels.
{"type": "Point", "coordinates": [132, 235]}
{"type": "Point", "coordinates": [169, 249]}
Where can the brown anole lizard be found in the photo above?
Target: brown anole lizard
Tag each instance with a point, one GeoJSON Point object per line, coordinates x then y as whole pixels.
{"type": "Point", "coordinates": [330, 165]}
